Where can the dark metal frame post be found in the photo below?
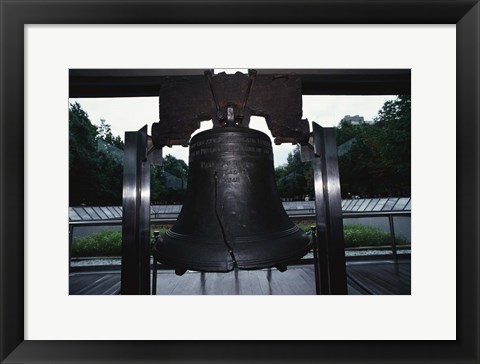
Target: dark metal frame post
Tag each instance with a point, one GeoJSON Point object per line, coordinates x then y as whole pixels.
{"type": "Point", "coordinates": [393, 240]}
{"type": "Point", "coordinates": [136, 215]}
{"type": "Point", "coordinates": [320, 256]}
{"type": "Point", "coordinates": [315, 260]}
{"type": "Point", "coordinates": [328, 210]}
{"type": "Point", "coordinates": [154, 265]}
{"type": "Point", "coordinates": [320, 241]}
{"type": "Point", "coordinates": [70, 246]}
{"type": "Point", "coordinates": [154, 277]}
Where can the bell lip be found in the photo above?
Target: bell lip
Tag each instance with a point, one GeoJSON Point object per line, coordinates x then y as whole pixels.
{"type": "Point", "coordinates": [255, 265]}
{"type": "Point", "coordinates": [294, 230]}
{"type": "Point", "coordinates": [172, 263]}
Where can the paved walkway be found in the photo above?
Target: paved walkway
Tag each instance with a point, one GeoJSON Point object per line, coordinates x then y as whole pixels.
{"type": "Point", "coordinates": [372, 277]}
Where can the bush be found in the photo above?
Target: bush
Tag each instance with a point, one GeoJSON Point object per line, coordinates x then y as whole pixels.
{"type": "Point", "coordinates": [105, 243]}
{"type": "Point", "coordinates": [360, 235]}
{"type": "Point", "coordinates": [102, 244]}
{"type": "Point", "coordinates": [162, 228]}
{"type": "Point", "coordinates": [109, 243]}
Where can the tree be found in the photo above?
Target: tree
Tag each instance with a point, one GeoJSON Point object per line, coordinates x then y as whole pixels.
{"type": "Point", "coordinates": [176, 167]}
{"type": "Point", "coordinates": [346, 131]}
{"type": "Point", "coordinates": [158, 186]}
{"type": "Point", "coordinates": [295, 178]}
{"type": "Point", "coordinates": [95, 178]}
{"type": "Point", "coordinates": [379, 160]}
{"type": "Point", "coordinates": [169, 182]}
{"type": "Point", "coordinates": [104, 132]}
{"type": "Point", "coordinates": [83, 166]}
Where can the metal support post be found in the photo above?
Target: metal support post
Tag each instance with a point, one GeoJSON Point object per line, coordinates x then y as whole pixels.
{"type": "Point", "coordinates": [320, 258]}
{"type": "Point", "coordinates": [315, 260]}
{"type": "Point", "coordinates": [136, 215]}
{"type": "Point", "coordinates": [328, 209]}
{"type": "Point", "coordinates": [392, 237]}
{"type": "Point", "coordinates": [156, 235]}
{"type": "Point", "coordinates": [321, 226]}
{"type": "Point", "coordinates": [70, 246]}
{"type": "Point", "coordinates": [154, 277]}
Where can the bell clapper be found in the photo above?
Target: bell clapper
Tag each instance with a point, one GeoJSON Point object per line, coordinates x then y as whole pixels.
{"type": "Point", "coordinates": [180, 271]}
{"type": "Point", "coordinates": [230, 116]}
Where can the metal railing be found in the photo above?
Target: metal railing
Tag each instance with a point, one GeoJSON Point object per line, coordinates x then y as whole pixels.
{"type": "Point", "coordinates": [298, 215]}
{"type": "Point", "coordinates": [355, 215]}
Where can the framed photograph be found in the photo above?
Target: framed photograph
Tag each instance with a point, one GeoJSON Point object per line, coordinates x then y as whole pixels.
{"type": "Point", "coordinates": [39, 325]}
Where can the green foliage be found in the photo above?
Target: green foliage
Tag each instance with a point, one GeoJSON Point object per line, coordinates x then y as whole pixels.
{"type": "Point", "coordinates": [295, 178]}
{"type": "Point", "coordinates": [379, 161]}
{"type": "Point", "coordinates": [362, 235]}
{"type": "Point", "coordinates": [162, 189]}
{"type": "Point", "coordinates": [346, 131]}
{"type": "Point", "coordinates": [105, 243]}
{"type": "Point", "coordinates": [161, 228]}
{"type": "Point", "coordinates": [175, 166]}
{"type": "Point", "coordinates": [377, 164]}
{"type": "Point", "coordinates": [96, 174]}
{"type": "Point", "coordinates": [357, 235]}
{"type": "Point", "coordinates": [108, 243]}
{"type": "Point", "coordinates": [158, 188]}
{"type": "Point", "coordinates": [102, 244]}
{"type": "Point", "coordinates": [105, 133]}
{"type": "Point", "coordinates": [95, 177]}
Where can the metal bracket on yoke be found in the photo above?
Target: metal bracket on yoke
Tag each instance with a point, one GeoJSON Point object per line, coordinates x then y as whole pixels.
{"type": "Point", "coordinates": [139, 155]}
{"type": "Point", "coordinates": [329, 259]}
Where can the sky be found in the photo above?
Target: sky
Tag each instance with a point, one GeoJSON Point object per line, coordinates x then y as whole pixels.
{"type": "Point", "coordinates": [132, 113]}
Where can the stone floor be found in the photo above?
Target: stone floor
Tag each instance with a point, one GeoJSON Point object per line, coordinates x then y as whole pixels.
{"type": "Point", "coordinates": [383, 277]}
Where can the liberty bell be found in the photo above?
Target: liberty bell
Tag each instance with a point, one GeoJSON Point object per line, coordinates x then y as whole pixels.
{"type": "Point", "coordinates": [232, 216]}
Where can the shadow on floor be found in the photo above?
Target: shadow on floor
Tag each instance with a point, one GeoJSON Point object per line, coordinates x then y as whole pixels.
{"type": "Point", "coordinates": [364, 278]}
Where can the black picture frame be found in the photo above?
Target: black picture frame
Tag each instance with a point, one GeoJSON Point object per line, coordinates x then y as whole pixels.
{"type": "Point", "coordinates": [15, 14]}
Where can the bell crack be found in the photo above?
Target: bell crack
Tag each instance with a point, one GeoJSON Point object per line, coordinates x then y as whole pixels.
{"type": "Point", "coordinates": [217, 215]}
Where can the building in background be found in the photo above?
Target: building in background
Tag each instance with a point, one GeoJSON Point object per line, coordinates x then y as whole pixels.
{"type": "Point", "coordinates": [355, 120]}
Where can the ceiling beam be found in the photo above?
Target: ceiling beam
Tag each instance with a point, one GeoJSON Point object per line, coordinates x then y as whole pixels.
{"type": "Point", "coordinates": [147, 82]}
